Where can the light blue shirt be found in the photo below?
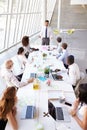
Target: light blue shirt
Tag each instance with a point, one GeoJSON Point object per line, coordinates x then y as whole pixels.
{"type": "Point", "coordinates": [63, 56]}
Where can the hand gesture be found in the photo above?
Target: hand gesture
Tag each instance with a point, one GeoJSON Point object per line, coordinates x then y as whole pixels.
{"type": "Point", "coordinates": [76, 104]}
{"type": "Point", "coordinates": [73, 112]}
{"type": "Point", "coordinates": [30, 80]}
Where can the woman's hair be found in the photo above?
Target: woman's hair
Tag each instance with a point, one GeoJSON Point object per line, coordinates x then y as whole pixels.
{"type": "Point", "coordinates": [20, 50]}
{"type": "Point", "coordinates": [83, 93]}
{"type": "Point", "coordinates": [7, 102]}
{"type": "Point", "coordinates": [25, 41]}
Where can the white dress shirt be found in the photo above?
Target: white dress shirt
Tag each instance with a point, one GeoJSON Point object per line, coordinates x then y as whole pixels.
{"type": "Point", "coordinates": [11, 80]}
{"type": "Point", "coordinates": [22, 60]}
{"type": "Point", "coordinates": [59, 47]}
{"type": "Point", "coordinates": [63, 56]}
{"type": "Point", "coordinates": [49, 32]}
{"type": "Point", "coordinates": [74, 74]}
{"type": "Point", "coordinates": [19, 64]}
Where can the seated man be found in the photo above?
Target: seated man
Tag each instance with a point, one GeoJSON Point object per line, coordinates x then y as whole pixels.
{"type": "Point", "coordinates": [10, 78]}
{"type": "Point", "coordinates": [59, 44]}
{"type": "Point", "coordinates": [73, 71]}
{"type": "Point", "coordinates": [63, 55]}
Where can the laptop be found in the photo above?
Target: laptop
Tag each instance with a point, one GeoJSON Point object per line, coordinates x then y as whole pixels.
{"type": "Point", "coordinates": [28, 112]}
{"type": "Point", "coordinates": [62, 114]}
{"type": "Point", "coordinates": [56, 77]}
{"type": "Point", "coordinates": [33, 75]}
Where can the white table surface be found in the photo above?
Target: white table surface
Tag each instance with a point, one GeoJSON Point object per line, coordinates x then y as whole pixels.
{"type": "Point", "coordinates": [39, 98]}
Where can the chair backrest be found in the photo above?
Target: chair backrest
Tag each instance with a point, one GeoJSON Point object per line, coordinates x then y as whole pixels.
{"type": "Point", "coordinates": [82, 77]}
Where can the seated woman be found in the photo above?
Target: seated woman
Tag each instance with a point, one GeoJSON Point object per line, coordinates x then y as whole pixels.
{"type": "Point", "coordinates": [82, 101]}
{"type": "Point", "coordinates": [26, 46]}
{"type": "Point", "coordinates": [8, 109]}
{"type": "Point", "coordinates": [19, 63]}
{"type": "Point", "coordinates": [59, 44]}
{"type": "Point", "coordinates": [22, 60]}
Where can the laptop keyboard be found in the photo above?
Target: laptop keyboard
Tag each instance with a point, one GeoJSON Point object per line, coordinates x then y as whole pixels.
{"type": "Point", "coordinates": [62, 114]}
{"type": "Point", "coordinates": [29, 112]}
{"type": "Point", "coordinates": [59, 114]}
{"type": "Point", "coordinates": [54, 76]}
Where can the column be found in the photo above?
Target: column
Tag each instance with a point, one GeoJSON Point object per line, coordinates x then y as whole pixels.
{"type": "Point", "coordinates": [43, 11]}
{"type": "Point", "coordinates": [59, 13]}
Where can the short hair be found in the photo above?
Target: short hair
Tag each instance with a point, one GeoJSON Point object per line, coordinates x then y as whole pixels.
{"type": "Point", "coordinates": [82, 94]}
{"type": "Point", "coordinates": [59, 39]}
{"type": "Point", "coordinates": [8, 62]}
{"type": "Point", "coordinates": [25, 41]}
{"type": "Point", "coordinates": [47, 21]}
{"type": "Point", "coordinates": [20, 50]}
{"type": "Point", "coordinates": [70, 59]}
{"type": "Point", "coordinates": [64, 45]}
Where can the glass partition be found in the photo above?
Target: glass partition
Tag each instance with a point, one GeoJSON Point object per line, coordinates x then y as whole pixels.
{"type": "Point", "coordinates": [19, 18]}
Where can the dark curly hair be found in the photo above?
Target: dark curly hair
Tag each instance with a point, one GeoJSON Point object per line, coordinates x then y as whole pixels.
{"type": "Point", "coordinates": [25, 41]}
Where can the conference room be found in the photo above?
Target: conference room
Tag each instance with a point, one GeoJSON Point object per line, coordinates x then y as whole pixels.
{"type": "Point", "coordinates": [43, 59]}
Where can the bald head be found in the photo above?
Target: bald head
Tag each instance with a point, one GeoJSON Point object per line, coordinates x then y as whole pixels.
{"type": "Point", "coordinates": [9, 64]}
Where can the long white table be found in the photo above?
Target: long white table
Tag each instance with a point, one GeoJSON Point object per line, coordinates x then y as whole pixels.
{"type": "Point", "coordinates": [39, 98]}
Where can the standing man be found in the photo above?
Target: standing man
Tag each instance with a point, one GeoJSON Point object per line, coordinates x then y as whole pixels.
{"type": "Point", "coordinates": [46, 33]}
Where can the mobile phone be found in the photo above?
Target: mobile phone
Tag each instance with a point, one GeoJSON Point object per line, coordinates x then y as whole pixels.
{"type": "Point", "coordinates": [67, 103]}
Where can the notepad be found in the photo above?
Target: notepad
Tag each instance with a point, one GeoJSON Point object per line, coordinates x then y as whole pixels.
{"type": "Point", "coordinates": [28, 112]}
{"type": "Point", "coordinates": [42, 78]}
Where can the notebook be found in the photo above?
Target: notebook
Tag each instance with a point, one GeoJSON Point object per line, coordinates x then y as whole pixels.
{"type": "Point", "coordinates": [28, 112]}
{"type": "Point", "coordinates": [62, 114]}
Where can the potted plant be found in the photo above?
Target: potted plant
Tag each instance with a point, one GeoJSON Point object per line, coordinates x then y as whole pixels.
{"type": "Point", "coordinates": [46, 72]}
{"type": "Point", "coordinates": [44, 55]}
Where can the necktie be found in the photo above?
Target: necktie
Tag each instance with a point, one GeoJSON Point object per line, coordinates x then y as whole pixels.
{"type": "Point", "coordinates": [68, 71]}
{"type": "Point", "coordinates": [46, 33]}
